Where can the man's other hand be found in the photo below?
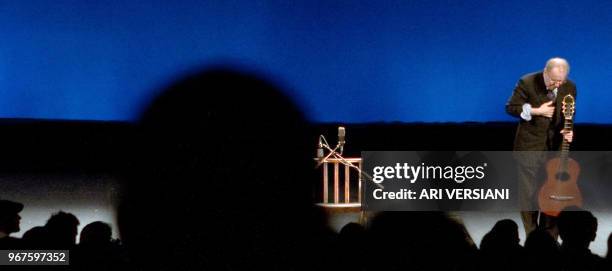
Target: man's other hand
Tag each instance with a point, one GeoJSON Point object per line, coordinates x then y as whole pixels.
{"type": "Point", "coordinates": [568, 135]}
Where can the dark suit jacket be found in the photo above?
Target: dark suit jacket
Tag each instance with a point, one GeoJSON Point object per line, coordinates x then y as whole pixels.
{"type": "Point", "coordinates": [540, 133]}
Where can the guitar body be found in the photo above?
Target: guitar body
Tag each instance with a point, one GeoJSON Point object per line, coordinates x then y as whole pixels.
{"type": "Point", "coordinates": [561, 187]}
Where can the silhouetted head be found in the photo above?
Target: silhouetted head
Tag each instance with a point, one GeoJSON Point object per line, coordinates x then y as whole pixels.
{"type": "Point", "coordinates": [502, 238]}
{"type": "Point", "coordinates": [36, 237]}
{"type": "Point", "coordinates": [539, 241]}
{"type": "Point", "coordinates": [418, 241]}
{"type": "Point", "coordinates": [577, 227]}
{"type": "Point", "coordinates": [352, 233]}
{"type": "Point", "coordinates": [223, 178]}
{"type": "Point", "coordinates": [96, 233]}
{"type": "Point", "coordinates": [62, 228]}
{"type": "Point", "coordinates": [609, 256]}
{"type": "Point", "coordinates": [507, 231]}
{"type": "Point", "coordinates": [9, 216]}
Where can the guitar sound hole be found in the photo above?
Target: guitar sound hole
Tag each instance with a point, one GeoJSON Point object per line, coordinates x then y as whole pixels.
{"type": "Point", "coordinates": [562, 176]}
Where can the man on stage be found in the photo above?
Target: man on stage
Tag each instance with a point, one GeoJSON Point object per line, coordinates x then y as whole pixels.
{"type": "Point", "coordinates": [536, 102]}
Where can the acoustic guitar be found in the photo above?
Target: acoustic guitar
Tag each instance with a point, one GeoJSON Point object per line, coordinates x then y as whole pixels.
{"type": "Point", "coordinates": [561, 188]}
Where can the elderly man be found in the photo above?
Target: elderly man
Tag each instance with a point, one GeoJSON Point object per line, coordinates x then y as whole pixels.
{"type": "Point", "coordinates": [536, 102]}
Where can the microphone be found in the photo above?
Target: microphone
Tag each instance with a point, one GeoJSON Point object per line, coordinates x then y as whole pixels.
{"type": "Point", "coordinates": [341, 138]}
{"type": "Point", "coordinates": [320, 152]}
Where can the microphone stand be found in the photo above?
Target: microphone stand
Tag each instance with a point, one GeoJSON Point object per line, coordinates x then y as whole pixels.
{"type": "Point", "coordinates": [333, 152]}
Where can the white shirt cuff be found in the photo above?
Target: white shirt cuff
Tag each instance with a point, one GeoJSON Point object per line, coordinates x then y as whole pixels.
{"type": "Point", "coordinates": [526, 114]}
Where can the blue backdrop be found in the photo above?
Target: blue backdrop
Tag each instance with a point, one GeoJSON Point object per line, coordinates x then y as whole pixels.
{"type": "Point", "coordinates": [342, 61]}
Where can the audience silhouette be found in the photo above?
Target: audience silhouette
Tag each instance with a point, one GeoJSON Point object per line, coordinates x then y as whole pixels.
{"type": "Point", "coordinates": [223, 180]}
{"type": "Point", "coordinates": [542, 250]}
{"type": "Point", "coordinates": [391, 241]}
{"type": "Point", "coordinates": [351, 245]}
{"type": "Point", "coordinates": [577, 229]}
{"type": "Point", "coordinates": [609, 255]}
{"type": "Point", "coordinates": [500, 248]}
{"type": "Point", "coordinates": [97, 250]}
{"type": "Point", "coordinates": [418, 241]}
{"type": "Point", "coordinates": [61, 230]}
{"type": "Point", "coordinates": [36, 237]}
{"type": "Point", "coordinates": [9, 223]}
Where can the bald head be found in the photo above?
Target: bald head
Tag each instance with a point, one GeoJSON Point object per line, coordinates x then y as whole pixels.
{"type": "Point", "coordinates": [557, 63]}
{"type": "Point", "coordinates": [555, 72]}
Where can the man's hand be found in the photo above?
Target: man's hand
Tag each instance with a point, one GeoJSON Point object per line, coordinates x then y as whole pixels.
{"type": "Point", "coordinates": [546, 110]}
{"type": "Point", "coordinates": [568, 135]}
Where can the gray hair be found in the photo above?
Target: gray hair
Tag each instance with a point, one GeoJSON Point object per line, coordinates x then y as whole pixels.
{"type": "Point", "coordinates": [557, 62]}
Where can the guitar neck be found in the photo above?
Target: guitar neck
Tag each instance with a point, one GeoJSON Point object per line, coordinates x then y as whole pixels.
{"type": "Point", "coordinates": [565, 146]}
{"type": "Point", "coordinates": [568, 113]}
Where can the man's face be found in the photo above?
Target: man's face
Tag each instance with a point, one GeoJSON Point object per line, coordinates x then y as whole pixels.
{"type": "Point", "coordinates": [555, 77]}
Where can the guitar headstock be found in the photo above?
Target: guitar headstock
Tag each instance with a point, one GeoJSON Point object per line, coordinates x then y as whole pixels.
{"type": "Point", "coordinates": [569, 105]}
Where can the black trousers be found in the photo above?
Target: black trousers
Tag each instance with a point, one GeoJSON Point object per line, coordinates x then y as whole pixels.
{"type": "Point", "coordinates": [531, 176]}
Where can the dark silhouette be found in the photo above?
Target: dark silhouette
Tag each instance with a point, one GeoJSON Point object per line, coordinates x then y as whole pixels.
{"type": "Point", "coordinates": [61, 230]}
{"type": "Point", "coordinates": [500, 248]}
{"type": "Point", "coordinates": [503, 236]}
{"type": "Point", "coordinates": [542, 250]}
{"type": "Point", "coordinates": [578, 229]}
{"type": "Point", "coordinates": [97, 250]}
{"type": "Point", "coordinates": [351, 234]}
{"type": "Point", "coordinates": [223, 180]}
{"type": "Point", "coordinates": [418, 241]}
{"type": "Point", "coordinates": [609, 255]}
{"type": "Point", "coordinates": [9, 223]}
{"type": "Point", "coordinates": [96, 233]}
{"type": "Point", "coordinates": [36, 238]}
{"type": "Point", "coordinates": [351, 247]}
